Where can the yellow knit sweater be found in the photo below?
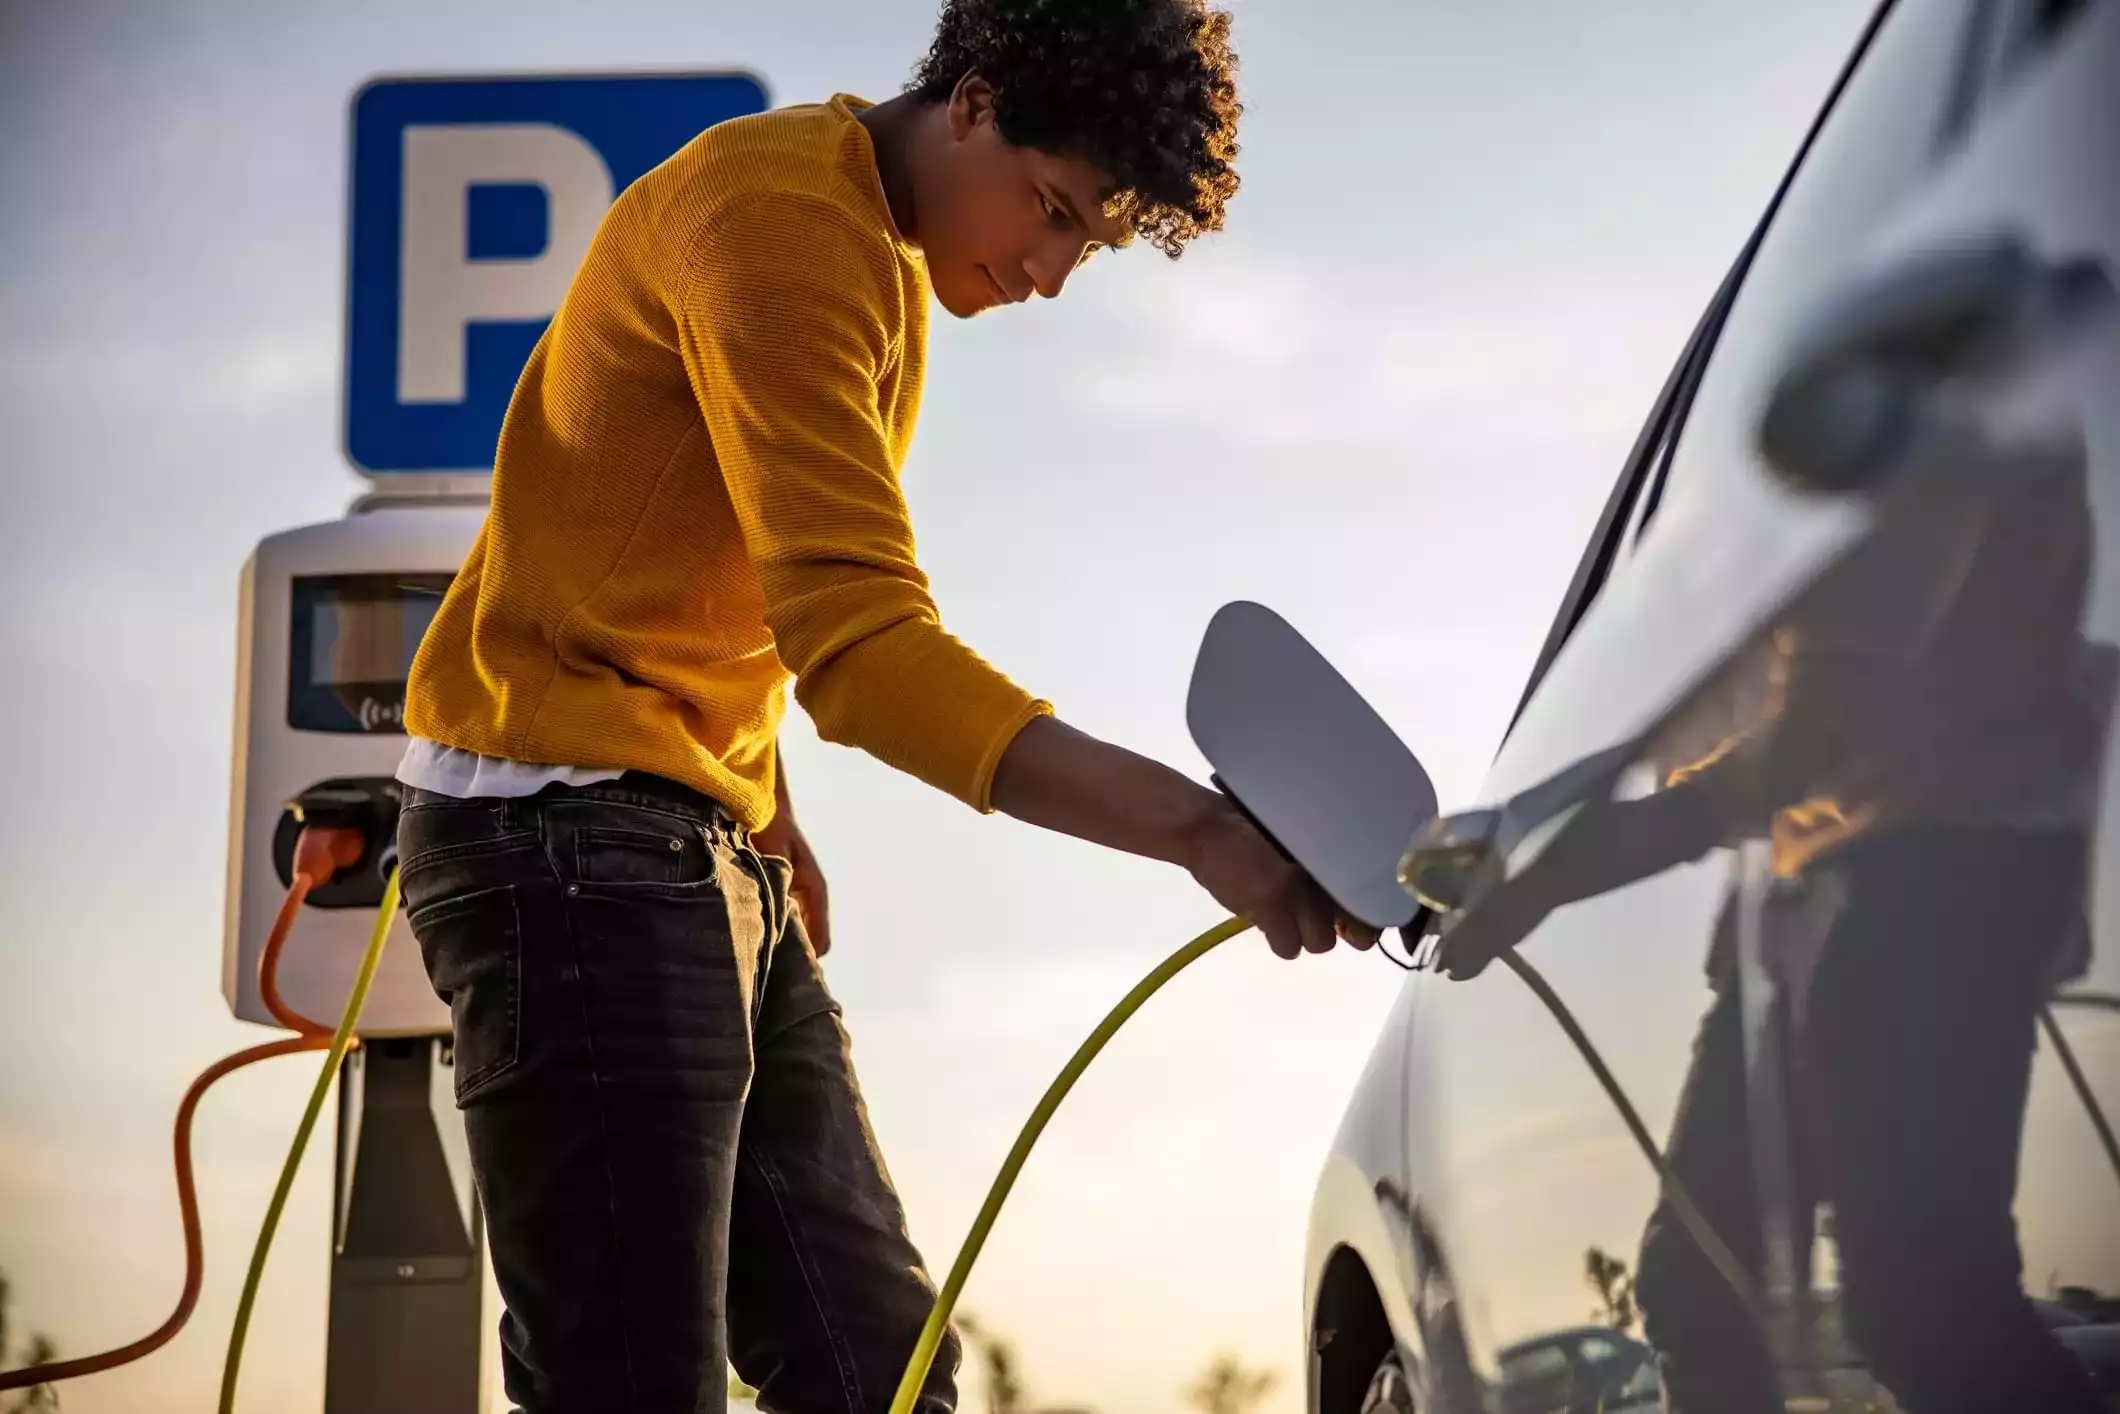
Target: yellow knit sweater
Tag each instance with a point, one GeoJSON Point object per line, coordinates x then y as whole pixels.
{"type": "Point", "coordinates": [696, 498]}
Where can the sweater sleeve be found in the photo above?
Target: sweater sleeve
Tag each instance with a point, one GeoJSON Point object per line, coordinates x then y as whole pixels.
{"type": "Point", "coordinates": [789, 316]}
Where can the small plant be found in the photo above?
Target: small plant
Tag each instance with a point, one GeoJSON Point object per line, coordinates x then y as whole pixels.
{"type": "Point", "coordinates": [1005, 1390]}
{"type": "Point", "coordinates": [38, 1351]}
{"type": "Point", "coordinates": [1614, 1284]}
{"type": "Point", "coordinates": [1228, 1388]}
{"type": "Point", "coordinates": [1004, 1385]}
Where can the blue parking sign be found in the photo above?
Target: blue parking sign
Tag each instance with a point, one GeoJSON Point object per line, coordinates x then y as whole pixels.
{"type": "Point", "coordinates": [472, 203]}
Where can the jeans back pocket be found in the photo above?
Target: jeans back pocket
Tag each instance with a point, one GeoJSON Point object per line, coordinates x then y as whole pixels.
{"type": "Point", "coordinates": [472, 944]}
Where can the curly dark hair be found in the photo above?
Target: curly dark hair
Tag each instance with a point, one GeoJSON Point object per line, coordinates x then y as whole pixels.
{"type": "Point", "coordinates": [1145, 90]}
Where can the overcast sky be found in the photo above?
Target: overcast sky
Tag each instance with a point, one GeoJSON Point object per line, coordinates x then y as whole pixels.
{"type": "Point", "coordinates": [1388, 402]}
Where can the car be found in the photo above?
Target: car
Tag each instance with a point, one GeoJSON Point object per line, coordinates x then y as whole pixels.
{"type": "Point", "coordinates": [2098, 1346]}
{"type": "Point", "coordinates": [1901, 372]}
{"type": "Point", "coordinates": [1581, 1371]}
{"type": "Point", "coordinates": [2057, 1316]}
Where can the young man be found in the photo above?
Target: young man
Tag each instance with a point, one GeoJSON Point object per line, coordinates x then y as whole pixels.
{"type": "Point", "coordinates": [696, 501]}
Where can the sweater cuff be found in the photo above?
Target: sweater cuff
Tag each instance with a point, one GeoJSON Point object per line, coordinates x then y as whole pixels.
{"type": "Point", "coordinates": [920, 701]}
{"type": "Point", "coordinates": [981, 797]}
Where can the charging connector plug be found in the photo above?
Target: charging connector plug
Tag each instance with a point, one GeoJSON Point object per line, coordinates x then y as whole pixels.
{"type": "Point", "coordinates": [364, 809]}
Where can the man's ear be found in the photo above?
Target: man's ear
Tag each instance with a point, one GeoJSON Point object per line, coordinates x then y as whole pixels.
{"type": "Point", "coordinates": [971, 105]}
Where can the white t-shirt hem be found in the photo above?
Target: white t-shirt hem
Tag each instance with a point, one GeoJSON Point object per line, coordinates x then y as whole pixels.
{"type": "Point", "coordinates": [466, 775]}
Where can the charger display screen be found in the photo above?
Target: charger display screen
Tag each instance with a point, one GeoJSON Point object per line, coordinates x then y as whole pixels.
{"type": "Point", "coordinates": [352, 640]}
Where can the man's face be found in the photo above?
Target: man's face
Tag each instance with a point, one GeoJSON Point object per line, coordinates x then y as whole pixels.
{"type": "Point", "coordinates": [1000, 223]}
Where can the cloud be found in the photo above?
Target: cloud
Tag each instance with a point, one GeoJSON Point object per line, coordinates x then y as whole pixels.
{"type": "Point", "coordinates": [241, 377]}
{"type": "Point", "coordinates": [1278, 355]}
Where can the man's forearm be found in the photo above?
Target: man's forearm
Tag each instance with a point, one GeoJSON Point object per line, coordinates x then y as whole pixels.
{"type": "Point", "coordinates": [1061, 779]}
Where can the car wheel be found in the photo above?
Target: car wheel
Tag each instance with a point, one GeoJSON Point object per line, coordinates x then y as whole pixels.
{"type": "Point", "coordinates": [1389, 1392]}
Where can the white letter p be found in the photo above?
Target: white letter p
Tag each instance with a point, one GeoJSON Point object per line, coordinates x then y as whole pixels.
{"type": "Point", "coordinates": [441, 290]}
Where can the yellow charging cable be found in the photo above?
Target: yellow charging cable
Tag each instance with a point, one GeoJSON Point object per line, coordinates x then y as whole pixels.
{"type": "Point", "coordinates": [916, 1369]}
{"type": "Point", "coordinates": [1688, 1213]}
{"type": "Point", "coordinates": [910, 1384]}
{"type": "Point", "coordinates": [341, 1039]}
{"type": "Point", "coordinates": [923, 1357]}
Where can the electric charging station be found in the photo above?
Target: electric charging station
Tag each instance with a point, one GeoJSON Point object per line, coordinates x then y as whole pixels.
{"type": "Point", "coordinates": [473, 201]}
{"type": "Point", "coordinates": [329, 618]}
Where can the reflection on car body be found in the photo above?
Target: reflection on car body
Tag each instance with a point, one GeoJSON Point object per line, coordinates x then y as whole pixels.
{"type": "Point", "coordinates": [1579, 1371]}
{"type": "Point", "coordinates": [2098, 1347]}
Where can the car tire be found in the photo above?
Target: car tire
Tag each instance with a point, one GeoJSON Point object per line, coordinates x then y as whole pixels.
{"type": "Point", "coordinates": [1390, 1391]}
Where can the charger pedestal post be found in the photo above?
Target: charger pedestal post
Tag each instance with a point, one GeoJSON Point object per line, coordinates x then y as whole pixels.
{"type": "Point", "coordinates": [407, 1320]}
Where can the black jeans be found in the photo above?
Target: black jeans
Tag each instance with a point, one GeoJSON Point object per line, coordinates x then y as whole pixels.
{"type": "Point", "coordinates": [1907, 1109]}
{"type": "Point", "coordinates": [672, 1153]}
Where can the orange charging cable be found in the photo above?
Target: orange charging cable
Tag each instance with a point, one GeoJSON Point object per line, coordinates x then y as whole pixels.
{"type": "Point", "coordinates": [320, 854]}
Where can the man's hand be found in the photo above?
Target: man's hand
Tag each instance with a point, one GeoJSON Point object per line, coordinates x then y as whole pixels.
{"type": "Point", "coordinates": [1243, 871]}
{"type": "Point", "coordinates": [1065, 780]}
{"type": "Point", "coordinates": [784, 838]}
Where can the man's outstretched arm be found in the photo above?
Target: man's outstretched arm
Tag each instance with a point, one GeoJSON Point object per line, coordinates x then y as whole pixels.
{"type": "Point", "coordinates": [785, 337]}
